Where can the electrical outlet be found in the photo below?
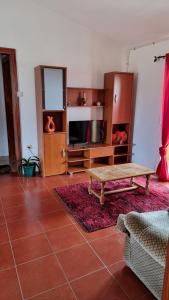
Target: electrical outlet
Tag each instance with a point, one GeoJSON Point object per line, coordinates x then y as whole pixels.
{"type": "Point", "coordinates": [19, 94]}
{"type": "Point", "coordinates": [29, 146]}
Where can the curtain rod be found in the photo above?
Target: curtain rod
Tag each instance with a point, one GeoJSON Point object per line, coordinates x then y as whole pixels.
{"type": "Point", "coordinates": [157, 58]}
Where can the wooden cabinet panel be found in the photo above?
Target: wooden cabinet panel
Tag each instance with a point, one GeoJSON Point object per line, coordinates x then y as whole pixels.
{"type": "Point", "coordinates": [119, 111]}
{"type": "Point", "coordinates": [99, 152]}
{"type": "Point", "coordinates": [48, 95]}
{"type": "Point", "coordinates": [54, 153]}
{"type": "Point", "coordinates": [122, 98]}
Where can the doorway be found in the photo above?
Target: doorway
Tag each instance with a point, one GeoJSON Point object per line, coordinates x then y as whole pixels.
{"type": "Point", "coordinates": [10, 137]}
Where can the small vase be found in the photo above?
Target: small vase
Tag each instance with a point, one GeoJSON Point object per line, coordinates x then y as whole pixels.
{"type": "Point", "coordinates": [50, 125]}
{"type": "Point", "coordinates": [83, 99]}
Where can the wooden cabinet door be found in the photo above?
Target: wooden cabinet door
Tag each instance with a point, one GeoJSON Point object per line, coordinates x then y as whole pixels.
{"type": "Point", "coordinates": [54, 153]}
{"type": "Point", "coordinates": [122, 98]}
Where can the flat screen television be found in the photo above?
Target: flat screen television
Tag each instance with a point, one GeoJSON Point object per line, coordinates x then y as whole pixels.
{"type": "Point", "coordinates": [86, 132]}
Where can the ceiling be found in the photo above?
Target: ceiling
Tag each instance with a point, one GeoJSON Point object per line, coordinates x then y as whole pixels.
{"type": "Point", "coordinates": [128, 23]}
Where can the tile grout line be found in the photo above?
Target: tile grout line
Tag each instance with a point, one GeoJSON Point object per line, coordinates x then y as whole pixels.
{"type": "Point", "coordinates": [53, 251]}
{"type": "Point", "coordinates": [46, 291]}
{"type": "Point", "coordinates": [50, 253]}
{"type": "Point", "coordinates": [15, 266]}
{"type": "Point", "coordinates": [41, 232]}
{"type": "Point", "coordinates": [26, 201]}
{"type": "Point", "coordinates": [6, 269]}
{"type": "Point", "coordinates": [85, 275]}
{"type": "Point", "coordinates": [88, 242]}
{"type": "Point", "coordinates": [93, 250]}
{"type": "Point", "coordinates": [61, 268]}
{"type": "Point", "coordinates": [106, 267]}
{"type": "Point", "coordinates": [34, 217]}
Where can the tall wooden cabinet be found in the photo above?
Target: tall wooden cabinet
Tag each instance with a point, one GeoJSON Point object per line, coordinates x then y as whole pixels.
{"type": "Point", "coordinates": [50, 83]}
{"type": "Point", "coordinates": [118, 112]}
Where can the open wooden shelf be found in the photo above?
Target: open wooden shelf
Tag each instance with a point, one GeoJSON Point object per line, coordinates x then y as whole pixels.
{"type": "Point", "coordinates": [84, 147]}
{"type": "Point", "coordinates": [56, 132]}
{"type": "Point", "coordinates": [53, 110]}
{"type": "Point", "coordinates": [76, 169]}
{"type": "Point", "coordinates": [80, 159]}
{"type": "Point", "coordinates": [118, 155]}
{"type": "Point", "coordinates": [93, 95]}
{"type": "Point", "coordinates": [121, 145]}
{"type": "Point", "coordinates": [76, 148]}
{"type": "Point", "coordinates": [84, 88]}
{"type": "Point", "coordinates": [77, 158]}
{"type": "Point", "coordinates": [80, 106]}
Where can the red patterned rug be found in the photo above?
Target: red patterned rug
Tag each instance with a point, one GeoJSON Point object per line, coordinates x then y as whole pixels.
{"type": "Point", "coordinates": [88, 212]}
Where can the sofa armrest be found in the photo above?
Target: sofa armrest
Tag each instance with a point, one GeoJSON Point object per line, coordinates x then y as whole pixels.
{"type": "Point", "coordinates": [150, 229]}
{"type": "Point", "coordinates": [121, 223]}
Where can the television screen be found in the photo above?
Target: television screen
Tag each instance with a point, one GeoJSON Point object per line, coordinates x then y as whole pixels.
{"type": "Point", "coordinates": [78, 132]}
{"type": "Point", "coordinates": [86, 132]}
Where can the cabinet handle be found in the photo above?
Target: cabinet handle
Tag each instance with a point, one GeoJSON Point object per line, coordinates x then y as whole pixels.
{"type": "Point", "coordinates": [115, 98]}
{"type": "Point", "coordinates": [63, 153]}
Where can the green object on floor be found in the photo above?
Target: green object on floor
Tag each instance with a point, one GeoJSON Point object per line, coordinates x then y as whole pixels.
{"type": "Point", "coordinates": [28, 166]}
{"type": "Point", "coordinates": [29, 170]}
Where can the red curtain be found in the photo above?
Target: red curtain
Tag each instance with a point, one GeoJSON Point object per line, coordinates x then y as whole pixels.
{"type": "Point", "coordinates": [162, 169]}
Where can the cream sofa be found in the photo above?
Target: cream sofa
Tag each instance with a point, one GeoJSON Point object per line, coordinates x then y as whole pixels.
{"type": "Point", "coordinates": [145, 246]}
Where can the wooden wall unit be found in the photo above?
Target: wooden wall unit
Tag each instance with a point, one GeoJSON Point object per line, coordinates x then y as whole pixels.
{"type": "Point", "coordinates": [116, 100]}
{"type": "Point", "coordinates": [51, 146]}
{"type": "Point", "coordinates": [118, 112]}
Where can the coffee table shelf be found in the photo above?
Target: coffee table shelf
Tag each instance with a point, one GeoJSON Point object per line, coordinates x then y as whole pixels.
{"type": "Point", "coordinates": [77, 158]}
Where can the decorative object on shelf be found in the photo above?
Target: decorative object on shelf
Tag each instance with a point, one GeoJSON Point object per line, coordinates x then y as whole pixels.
{"type": "Point", "coordinates": [50, 125]}
{"type": "Point", "coordinates": [119, 137]}
{"type": "Point", "coordinates": [114, 138]}
{"type": "Point", "coordinates": [69, 103]}
{"type": "Point", "coordinates": [98, 103]}
{"type": "Point", "coordinates": [83, 99]}
{"type": "Point", "coordinates": [123, 137]}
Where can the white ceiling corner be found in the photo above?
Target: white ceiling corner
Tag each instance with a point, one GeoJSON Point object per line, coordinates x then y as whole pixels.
{"type": "Point", "coordinates": [128, 23]}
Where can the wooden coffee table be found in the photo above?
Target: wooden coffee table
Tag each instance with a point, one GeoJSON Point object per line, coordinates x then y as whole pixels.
{"type": "Point", "coordinates": [117, 172]}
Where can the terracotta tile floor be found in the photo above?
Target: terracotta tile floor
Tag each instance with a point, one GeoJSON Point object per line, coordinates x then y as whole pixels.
{"type": "Point", "coordinates": [45, 254]}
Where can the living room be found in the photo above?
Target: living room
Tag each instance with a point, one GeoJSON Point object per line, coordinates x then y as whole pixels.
{"type": "Point", "coordinates": [47, 253]}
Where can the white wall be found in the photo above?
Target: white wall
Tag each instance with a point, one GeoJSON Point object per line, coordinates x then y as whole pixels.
{"type": "Point", "coordinates": [147, 128]}
{"type": "Point", "coordinates": [85, 113]}
{"type": "Point", "coordinates": [3, 127]}
{"type": "Point", "coordinates": [43, 37]}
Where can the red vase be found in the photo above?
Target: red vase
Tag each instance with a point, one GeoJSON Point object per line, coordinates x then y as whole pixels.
{"type": "Point", "coordinates": [50, 125]}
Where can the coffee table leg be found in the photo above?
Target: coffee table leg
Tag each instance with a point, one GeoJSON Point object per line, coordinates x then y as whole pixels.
{"type": "Point", "coordinates": [90, 186]}
{"type": "Point", "coordinates": [131, 181]}
{"type": "Point", "coordinates": [147, 184]}
{"type": "Point", "coordinates": [102, 193]}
